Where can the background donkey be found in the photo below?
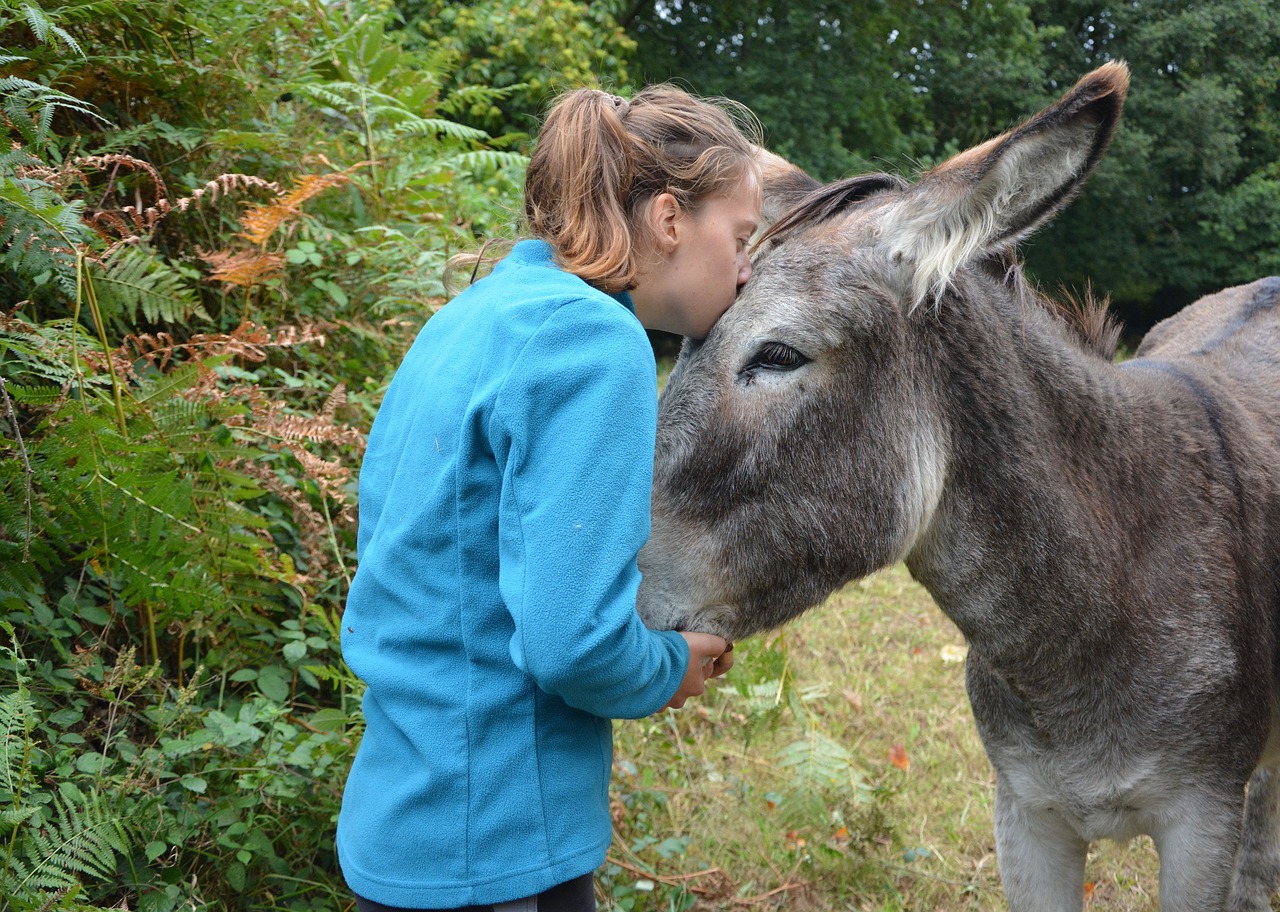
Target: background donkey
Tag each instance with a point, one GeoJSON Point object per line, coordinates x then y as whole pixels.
{"type": "Point", "coordinates": [1106, 537]}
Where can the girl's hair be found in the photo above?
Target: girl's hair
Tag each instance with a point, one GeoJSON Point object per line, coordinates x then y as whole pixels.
{"type": "Point", "coordinates": [599, 158]}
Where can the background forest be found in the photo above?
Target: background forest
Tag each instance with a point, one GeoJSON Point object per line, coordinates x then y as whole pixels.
{"type": "Point", "coordinates": [221, 224]}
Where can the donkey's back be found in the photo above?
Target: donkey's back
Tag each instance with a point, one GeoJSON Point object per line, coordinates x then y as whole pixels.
{"type": "Point", "coordinates": [1224, 350]}
{"type": "Point", "coordinates": [1234, 333]}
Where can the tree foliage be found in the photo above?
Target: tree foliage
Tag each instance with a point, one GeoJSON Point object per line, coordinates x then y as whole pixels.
{"type": "Point", "coordinates": [1188, 199]}
{"type": "Point", "coordinates": [510, 57]}
{"type": "Point", "coordinates": [1185, 202]}
{"type": "Point", "coordinates": [788, 63]}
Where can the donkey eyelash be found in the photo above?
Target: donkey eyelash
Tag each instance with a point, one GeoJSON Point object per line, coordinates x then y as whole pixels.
{"type": "Point", "coordinates": [775, 356]}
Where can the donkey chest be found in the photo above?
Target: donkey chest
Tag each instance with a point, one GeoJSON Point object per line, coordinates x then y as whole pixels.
{"type": "Point", "coordinates": [1116, 798]}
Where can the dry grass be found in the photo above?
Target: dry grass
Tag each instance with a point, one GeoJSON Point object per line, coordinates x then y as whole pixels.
{"type": "Point", "coordinates": [714, 813]}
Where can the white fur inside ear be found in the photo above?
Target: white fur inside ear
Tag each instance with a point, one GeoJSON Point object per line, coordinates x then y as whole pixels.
{"type": "Point", "coordinates": [949, 218]}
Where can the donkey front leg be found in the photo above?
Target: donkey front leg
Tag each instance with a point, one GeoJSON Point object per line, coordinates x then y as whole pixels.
{"type": "Point", "coordinates": [1197, 844]}
{"type": "Point", "coordinates": [1258, 862]}
{"type": "Point", "coordinates": [1041, 856]}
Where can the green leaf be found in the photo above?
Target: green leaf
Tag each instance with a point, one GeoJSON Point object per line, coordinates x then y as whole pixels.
{"type": "Point", "coordinates": [92, 763]}
{"type": "Point", "coordinates": [273, 681]}
{"type": "Point", "coordinates": [95, 614]}
{"type": "Point", "coordinates": [235, 874]}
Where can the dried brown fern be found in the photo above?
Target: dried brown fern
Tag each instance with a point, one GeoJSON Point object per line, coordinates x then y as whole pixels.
{"type": "Point", "coordinates": [244, 268]}
{"type": "Point", "coordinates": [330, 475]}
{"type": "Point", "coordinates": [313, 527]}
{"type": "Point", "coordinates": [262, 221]}
{"type": "Point", "coordinates": [128, 224]}
{"type": "Point", "coordinates": [248, 342]}
{"type": "Point", "coordinates": [145, 219]}
{"type": "Point", "coordinates": [288, 433]}
{"type": "Point", "coordinates": [318, 428]}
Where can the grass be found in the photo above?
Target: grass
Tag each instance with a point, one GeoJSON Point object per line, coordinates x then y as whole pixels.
{"type": "Point", "coordinates": [837, 768]}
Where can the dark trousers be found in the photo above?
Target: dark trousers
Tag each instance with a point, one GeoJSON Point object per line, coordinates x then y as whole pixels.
{"type": "Point", "coordinates": [577, 895]}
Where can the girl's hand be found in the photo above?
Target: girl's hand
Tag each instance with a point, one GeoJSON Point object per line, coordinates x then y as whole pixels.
{"type": "Point", "coordinates": [709, 657]}
{"type": "Point", "coordinates": [721, 663]}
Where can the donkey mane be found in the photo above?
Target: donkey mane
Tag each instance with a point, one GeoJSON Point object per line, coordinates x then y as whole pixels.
{"type": "Point", "coordinates": [1086, 318]}
{"type": "Point", "coordinates": [1091, 319]}
{"type": "Point", "coordinates": [827, 201]}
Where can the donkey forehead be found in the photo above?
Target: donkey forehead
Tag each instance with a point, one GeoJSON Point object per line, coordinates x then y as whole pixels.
{"type": "Point", "coordinates": [818, 283]}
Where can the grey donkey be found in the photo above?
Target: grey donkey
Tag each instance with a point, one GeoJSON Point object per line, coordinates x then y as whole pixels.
{"type": "Point", "coordinates": [1106, 536]}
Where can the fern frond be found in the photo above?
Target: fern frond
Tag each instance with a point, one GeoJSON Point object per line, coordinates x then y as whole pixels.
{"type": "Point", "coordinates": [328, 94]}
{"type": "Point", "coordinates": [489, 160]}
{"type": "Point", "coordinates": [68, 172]}
{"type": "Point", "coordinates": [146, 219]}
{"type": "Point", "coordinates": [133, 279]}
{"type": "Point", "coordinates": [318, 429]}
{"type": "Point", "coordinates": [17, 719]}
{"type": "Point", "coordinates": [244, 268]}
{"type": "Point", "coordinates": [469, 96]}
{"type": "Point", "coordinates": [43, 28]}
{"type": "Point", "coordinates": [439, 126]}
{"type": "Point", "coordinates": [39, 232]}
{"type": "Point", "coordinates": [29, 106]}
{"type": "Point", "coordinates": [262, 221]}
{"type": "Point", "coordinates": [35, 396]}
{"type": "Point", "coordinates": [165, 389]}
{"type": "Point", "coordinates": [43, 351]}
{"type": "Point", "coordinates": [12, 818]}
{"type": "Point", "coordinates": [84, 837]}
{"type": "Point", "coordinates": [816, 760]}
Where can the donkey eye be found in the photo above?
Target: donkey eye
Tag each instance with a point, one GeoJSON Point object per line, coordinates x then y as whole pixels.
{"type": "Point", "coordinates": [775, 356]}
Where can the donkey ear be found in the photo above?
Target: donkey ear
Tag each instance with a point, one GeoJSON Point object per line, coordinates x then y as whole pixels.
{"type": "Point", "coordinates": [1003, 190]}
{"type": "Point", "coordinates": [782, 185]}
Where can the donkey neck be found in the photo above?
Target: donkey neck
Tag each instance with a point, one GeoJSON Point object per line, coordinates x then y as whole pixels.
{"type": "Point", "coordinates": [1040, 451]}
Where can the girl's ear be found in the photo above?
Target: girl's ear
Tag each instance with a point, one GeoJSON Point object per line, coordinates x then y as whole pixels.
{"type": "Point", "coordinates": [663, 218]}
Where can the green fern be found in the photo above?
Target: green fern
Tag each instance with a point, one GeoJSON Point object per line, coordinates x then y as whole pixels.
{"type": "Point", "coordinates": [29, 107]}
{"type": "Point", "coordinates": [489, 160]}
{"type": "Point", "coordinates": [463, 98]}
{"type": "Point", "coordinates": [35, 396]}
{"type": "Point", "coordinates": [39, 231]}
{"type": "Point", "coordinates": [134, 280]}
{"type": "Point", "coordinates": [816, 761]}
{"type": "Point", "coordinates": [45, 30]}
{"type": "Point", "coordinates": [45, 352]}
{"type": "Point", "coordinates": [83, 838]}
{"type": "Point", "coordinates": [17, 719]}
{"type": "Point", "coordinates": [439, 126]}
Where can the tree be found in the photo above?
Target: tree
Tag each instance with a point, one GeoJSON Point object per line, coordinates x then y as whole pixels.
{"type": "Point", "coordinates": [820, 75]}
{"type": "Point", "coordinates": [844, 87]}
{"type": "Point", "coordinates": [1188, 200]}
{"type": "Point", "coordinates": [527, 51]}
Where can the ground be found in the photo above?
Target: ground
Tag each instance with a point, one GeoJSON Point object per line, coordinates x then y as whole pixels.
{"type": "Point", "coordinates": [837, 768]}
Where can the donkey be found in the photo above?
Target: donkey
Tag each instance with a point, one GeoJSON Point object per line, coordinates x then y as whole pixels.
{"type": "Point", "coordinates": [1106, 536]}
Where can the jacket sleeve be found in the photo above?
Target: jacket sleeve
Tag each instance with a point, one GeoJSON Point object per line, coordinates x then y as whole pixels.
{"type": "Point", "coordinates": [573, 428]}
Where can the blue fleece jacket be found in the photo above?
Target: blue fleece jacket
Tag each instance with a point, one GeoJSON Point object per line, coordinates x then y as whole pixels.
{"type": "Point", "coordinates": [504, 496]}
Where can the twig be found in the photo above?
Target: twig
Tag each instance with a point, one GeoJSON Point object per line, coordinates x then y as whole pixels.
{"type": "Point", "coordinates": [678, 880]}
{"type": "Point", "coordinates": [26, 466]}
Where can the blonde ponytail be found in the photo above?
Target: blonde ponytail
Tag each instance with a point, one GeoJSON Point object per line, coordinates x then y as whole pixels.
{"type": "Point", "coordinates": [599, 158]}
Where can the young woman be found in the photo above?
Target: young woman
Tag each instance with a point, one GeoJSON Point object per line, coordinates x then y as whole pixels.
{"type": "Point", "coordinates": [504, 497]}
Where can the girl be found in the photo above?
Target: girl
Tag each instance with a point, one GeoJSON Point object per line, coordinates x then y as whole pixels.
{"type": "Point", "coordinates": [503, 499]}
